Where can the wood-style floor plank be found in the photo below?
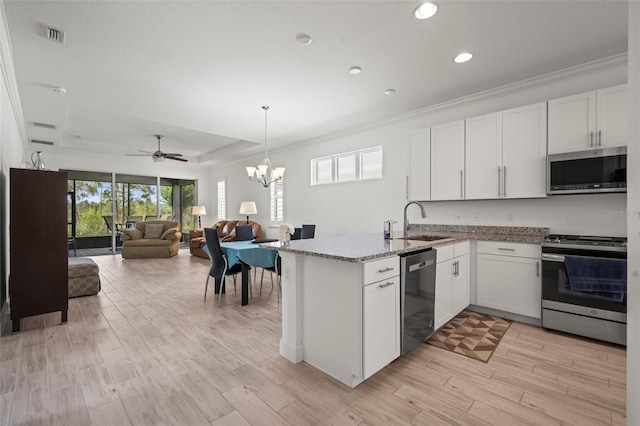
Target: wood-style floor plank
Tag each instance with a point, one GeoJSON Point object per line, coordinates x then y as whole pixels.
{"type": "Point", "coordinates": [148, 351]}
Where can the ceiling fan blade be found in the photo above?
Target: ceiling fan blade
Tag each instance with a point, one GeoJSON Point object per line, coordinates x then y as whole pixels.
{"type": "Point", "coordinates": [173, 154]}
{"type": "Point", "coordinates": [175, 158]}
{"type": "Point", "coordinates": [146, 152]}
{"type": "Point", "coordinates": [137, 155]}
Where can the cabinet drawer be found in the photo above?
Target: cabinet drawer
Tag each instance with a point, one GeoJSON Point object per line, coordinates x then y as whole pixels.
{"type": "Point", "coordinates": [461, 248]}
{"type": "Point", "coordinates": [381, 269]}
{"type": "Point", "coordinates": [444, 253]}
{"type": "Point", "coordinates": [510, 249]}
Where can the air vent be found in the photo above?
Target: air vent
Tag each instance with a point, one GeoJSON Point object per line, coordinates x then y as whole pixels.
{"type": "Point", "coordinates": [54, 34]}
{"type": "Point", "coordinates": [41, 142]}
{"type": "Point", "coordinates": [43, 125]}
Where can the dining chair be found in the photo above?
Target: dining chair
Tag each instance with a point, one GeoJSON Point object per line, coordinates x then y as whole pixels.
{"type": "Point", "coordinates": [218, 268]}
{"type": "Point", "coordinates": [277, 268]}
{"type": "Point", "coordinates": [308, 231]}
{"type": "Point", "coordinates": [297, 232]}
{"type": "Point", "coordinates": [244, 233]}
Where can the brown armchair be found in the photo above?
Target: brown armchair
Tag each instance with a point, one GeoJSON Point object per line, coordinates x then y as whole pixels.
{"type": "Point", "coordinates": [153, 238]}
{"type": "Point", "coordinates": [226, 232]}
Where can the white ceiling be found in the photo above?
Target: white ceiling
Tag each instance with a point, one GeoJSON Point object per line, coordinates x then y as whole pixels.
{"type": "Point", "coordinates": [198, 72]}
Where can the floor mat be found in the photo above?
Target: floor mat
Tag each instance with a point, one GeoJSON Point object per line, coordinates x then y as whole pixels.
{"type": "Point", "coordinates": [471, 334]}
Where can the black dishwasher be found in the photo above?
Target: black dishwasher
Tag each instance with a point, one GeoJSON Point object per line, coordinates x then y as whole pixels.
{"type": "Point", "coordinates": [417, 297]}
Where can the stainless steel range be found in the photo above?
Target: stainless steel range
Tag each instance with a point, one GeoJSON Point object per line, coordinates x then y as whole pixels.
{"type": "Point", "coordinates": [599, 310]}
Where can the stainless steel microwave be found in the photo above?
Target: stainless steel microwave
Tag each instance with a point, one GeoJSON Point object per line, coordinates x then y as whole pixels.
{"type": "Point", "coordinates": [593, 171]}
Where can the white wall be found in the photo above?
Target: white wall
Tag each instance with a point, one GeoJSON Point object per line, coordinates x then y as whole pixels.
{"type": "Point", "coordinates": [11, 143]}
{"type": "Point", "coordinates": [361, 207]}
{"type": "Point", "coordinates": [633, 280]}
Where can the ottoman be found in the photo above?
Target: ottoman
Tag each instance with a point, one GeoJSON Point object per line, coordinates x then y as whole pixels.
{"type": "Point", "coordinates": [84, 277]}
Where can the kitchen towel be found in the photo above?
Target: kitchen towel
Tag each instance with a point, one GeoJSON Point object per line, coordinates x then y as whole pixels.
{"type": "Point", "coordinates": [285, 232]}
{"type": "Point", "coordinates": [595, 275]}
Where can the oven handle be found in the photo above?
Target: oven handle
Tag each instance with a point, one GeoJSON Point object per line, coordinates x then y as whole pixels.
{"type": "Point", "coordinates": [553, 257]}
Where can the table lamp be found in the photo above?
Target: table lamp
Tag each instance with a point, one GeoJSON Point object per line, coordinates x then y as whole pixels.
{"type": "Point", "coordinates": [198, 211]}
{"type": "Point", "coordinates": [248, 207]}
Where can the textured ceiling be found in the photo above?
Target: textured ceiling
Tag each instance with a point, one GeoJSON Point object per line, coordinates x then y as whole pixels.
{"type": "Point", "coordinates": [198, 72]}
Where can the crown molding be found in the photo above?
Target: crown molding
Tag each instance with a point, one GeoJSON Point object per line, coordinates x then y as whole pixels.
{"type": "Point", "coordinates": [9, 77]}
{"type": "Point", "coordinates": [589, 68]}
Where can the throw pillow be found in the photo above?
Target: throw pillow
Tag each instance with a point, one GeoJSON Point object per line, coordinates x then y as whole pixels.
{"type": "Point", "coordinates": [153, 230]}
{"type": "Point", "coordinates": [134, 234]}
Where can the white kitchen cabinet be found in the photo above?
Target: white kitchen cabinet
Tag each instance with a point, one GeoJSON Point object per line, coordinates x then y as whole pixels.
{"type": "Point", "coordinates": [508, 277]}
{"type": "Point", "coordinates": [596, 119]}
{"type": "Point", "coordinates": [452, 282]}
{"type": "Point", "coordinates": [483, 153]}
{"type": "Point", "coordinates": [381, 324]}
{"type": "Point", "coordinates": [351, 323]}
{"type": "Point", "coordinates": [506, 154]}
{"type": "Point", "coordinates": [447, 161]}
{"type": "Point", "coordinates": [419, 177]}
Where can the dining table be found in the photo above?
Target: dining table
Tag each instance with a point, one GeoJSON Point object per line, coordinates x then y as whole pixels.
{"type": "Point", "coordinates": [247, 254]}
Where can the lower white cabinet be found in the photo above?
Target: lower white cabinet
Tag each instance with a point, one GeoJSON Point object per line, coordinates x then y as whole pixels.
{"type": "Point", "coordinates": [508, 277]}
{"type": "Point", "coordinates": [452, 282]}
{"type": "Point", "coordinates": [381, 325]}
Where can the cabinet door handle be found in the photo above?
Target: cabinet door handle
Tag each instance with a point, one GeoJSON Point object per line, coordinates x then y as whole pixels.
{"type": "Point", "coordinates": [385, 285]}
{"type": "Point", "coordinates": [461, 183]}
{"type": "Point", "coordinates": [591, 139]}
{"type": "Point", "coordinates": [599, 137]}
{"type": "Point", "coordinates": [506, 249]}
{"type": "Point", "coordinates": [537, 269]}
{"type": "Point", "coordinates": [504, 181]}
{"type": "Point", "coordinates": [457, 268]}
{"type": "Point", "coordinates": [382, 271]}
{"type": "Point", "coordinates": [499, 175]}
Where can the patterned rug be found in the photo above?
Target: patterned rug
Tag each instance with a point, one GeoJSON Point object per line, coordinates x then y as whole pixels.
{"type": "Point", "coordinates": [471, 334]}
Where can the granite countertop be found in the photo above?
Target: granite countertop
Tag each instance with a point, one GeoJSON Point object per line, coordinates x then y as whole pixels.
{"type": "Point", "coordinates": [362, 248]}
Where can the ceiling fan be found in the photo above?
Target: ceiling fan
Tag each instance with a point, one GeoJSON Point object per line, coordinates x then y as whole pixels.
{"type": "Point", "coordinates": [159, 155]}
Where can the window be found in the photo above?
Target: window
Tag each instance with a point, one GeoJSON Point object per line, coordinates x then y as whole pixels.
{"type": "Point", "coordinates": [277, 201]}
{"type": "Point", "coordinates": [365, 164]}
{"type": "Point", "coordinates": [222, 199]}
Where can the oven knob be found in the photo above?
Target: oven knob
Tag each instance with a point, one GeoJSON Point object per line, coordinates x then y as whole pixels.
{"type": "Point", "coordinates": [557, 240]}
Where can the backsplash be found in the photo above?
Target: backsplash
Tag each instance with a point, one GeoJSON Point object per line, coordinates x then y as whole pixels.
{"type": "Point", "coordinates": [417, 229]}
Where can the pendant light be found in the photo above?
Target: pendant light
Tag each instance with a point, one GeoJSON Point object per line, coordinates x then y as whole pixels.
{"type": "Point", "coordinates": [265, 173]}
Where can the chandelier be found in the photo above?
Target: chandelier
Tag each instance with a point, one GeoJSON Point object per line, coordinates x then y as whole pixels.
{"type": "Point", "coordinates": [265, 173]}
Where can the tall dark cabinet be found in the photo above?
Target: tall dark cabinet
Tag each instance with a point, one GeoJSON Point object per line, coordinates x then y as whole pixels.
{"type": "Point", "coordinates": [38, 276]}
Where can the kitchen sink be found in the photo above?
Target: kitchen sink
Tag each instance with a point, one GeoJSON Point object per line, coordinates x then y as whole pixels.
{"type": "Point", "coordinates": [424, 238]}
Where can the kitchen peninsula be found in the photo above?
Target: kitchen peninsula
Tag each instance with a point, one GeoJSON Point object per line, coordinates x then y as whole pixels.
{"type": "Point", "coordinates": [334, 317]}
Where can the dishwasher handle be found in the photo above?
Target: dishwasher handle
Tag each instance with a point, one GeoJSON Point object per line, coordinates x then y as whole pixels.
{"type": "Point", "coordinates": [421, 265]}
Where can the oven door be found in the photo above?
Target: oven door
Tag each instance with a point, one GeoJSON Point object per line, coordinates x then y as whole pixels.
{"type": "Point", "coordinates": [553, 281]}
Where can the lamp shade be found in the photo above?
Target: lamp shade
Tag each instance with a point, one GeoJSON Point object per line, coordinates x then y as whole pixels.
{"type": "Point", "coordinates": [198, 210]}
{"type": "Point", "coordinates": [248, 207]}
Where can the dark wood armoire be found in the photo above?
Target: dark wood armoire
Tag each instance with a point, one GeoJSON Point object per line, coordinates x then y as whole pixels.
{"type": "Point", "coordinates": [38, 276]}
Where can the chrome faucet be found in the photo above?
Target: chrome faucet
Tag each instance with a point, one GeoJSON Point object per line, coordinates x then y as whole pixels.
{"type": "Point", "coordinates": [406, 221]}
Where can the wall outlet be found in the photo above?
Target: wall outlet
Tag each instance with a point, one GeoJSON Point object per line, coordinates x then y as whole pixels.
{"type": "Point", "coordinates": [458, 216]}
{"type": "Point", "coordinates": [476, 216]}
{"type": "Point", "coordinates": [510, 217]}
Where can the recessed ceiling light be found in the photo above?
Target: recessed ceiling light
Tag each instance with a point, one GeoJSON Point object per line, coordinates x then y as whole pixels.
{"type": "Point", "coordinates": [426, 10]}
{"type": "Point", "coordinates": [463, 57]}
{"type": "Point", "coordinates": [304, 39]}
{"type": "Point", "coordinates": [355, 70]}
{"type": "Point", "coordinates": [389, 91]}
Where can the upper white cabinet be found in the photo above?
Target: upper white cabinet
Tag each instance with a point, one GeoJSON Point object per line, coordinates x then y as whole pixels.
{"type": "Point", "coordinates": [419, 178]}
{"type": "Point", "coordinates": [447, 161]}
{"type": "Point", "coordinates": [524, 151]}
{"type": "Point", "coordinates": [591, 120]}
{"type": "Point", "coordinates": [506, 153]}
{"type": "Point", "coordinates": [483, 139]}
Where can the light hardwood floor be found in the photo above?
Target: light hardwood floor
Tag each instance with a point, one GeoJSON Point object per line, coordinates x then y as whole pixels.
{"type": "Point", "coordinates": [148, 351]}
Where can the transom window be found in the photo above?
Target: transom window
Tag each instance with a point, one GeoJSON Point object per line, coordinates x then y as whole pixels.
{"type": "Point", "coordinates": [365, 164]}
